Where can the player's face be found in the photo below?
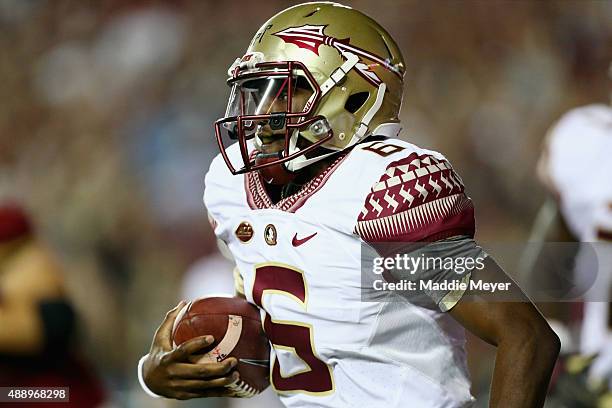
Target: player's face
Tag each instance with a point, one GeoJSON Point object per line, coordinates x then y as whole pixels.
{"type": "Point", "coordinates": [269, 140]}
{"type": "Point", "coordinates": [268, 107]}
{"type": "Point", "coordinates": [267, 96]}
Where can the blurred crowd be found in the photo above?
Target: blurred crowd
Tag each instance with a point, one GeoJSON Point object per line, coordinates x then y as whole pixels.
{"type": "Point", "coordinates": [106, 130]}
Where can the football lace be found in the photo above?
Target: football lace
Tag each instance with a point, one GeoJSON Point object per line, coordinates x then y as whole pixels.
{"type": "Point", "coordinates": [242, 389]}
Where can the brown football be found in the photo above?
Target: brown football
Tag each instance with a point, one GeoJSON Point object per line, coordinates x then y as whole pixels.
{"type": "Point", "coordinates": [236, 326]}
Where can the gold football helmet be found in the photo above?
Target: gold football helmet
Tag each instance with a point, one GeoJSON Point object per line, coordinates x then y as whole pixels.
{"type": "Point", "coordinates": [317, 78]}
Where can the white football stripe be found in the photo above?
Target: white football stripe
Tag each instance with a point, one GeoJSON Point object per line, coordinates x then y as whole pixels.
{"type": "Point", "coordinates": [228, 343]}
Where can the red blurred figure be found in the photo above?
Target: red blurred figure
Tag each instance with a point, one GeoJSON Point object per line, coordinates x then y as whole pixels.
{"type": "Point", "coordinates": [37, 318]}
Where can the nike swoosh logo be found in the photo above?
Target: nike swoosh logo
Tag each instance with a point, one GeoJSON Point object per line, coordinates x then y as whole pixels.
{"type": "Point", "coordinates": [297, 242]}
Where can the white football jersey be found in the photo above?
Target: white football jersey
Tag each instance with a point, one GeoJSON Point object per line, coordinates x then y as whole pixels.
{"type": "Point", "coordinates": [578, 163]}
{"type": "Point", "coordinates": [299, 261]}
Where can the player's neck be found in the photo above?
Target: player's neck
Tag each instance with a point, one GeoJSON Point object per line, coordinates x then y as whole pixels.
{"type": "Point", "coordinates": [277, 193]}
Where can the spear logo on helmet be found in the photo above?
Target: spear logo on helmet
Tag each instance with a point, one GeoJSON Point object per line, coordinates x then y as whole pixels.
{"type": "Point", "coordinates": [311, 37]}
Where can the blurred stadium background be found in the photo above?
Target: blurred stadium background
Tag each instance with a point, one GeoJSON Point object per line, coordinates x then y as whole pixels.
{"type": "Point", "coordinates": [105, 131]}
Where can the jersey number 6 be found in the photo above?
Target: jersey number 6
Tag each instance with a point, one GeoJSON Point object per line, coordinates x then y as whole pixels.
{"type": "Point", "coordinates": [291, 336]}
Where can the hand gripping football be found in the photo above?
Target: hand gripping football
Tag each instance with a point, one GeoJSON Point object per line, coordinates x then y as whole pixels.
{"type": "Point", "coordinates": [236, 326]}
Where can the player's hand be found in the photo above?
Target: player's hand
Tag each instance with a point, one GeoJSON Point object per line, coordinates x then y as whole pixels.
{"type": "Point", "coordinates": [169, 372]}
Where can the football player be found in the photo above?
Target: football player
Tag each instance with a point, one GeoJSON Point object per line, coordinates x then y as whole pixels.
{"type": "Point", "coordinates": [582, 202]}
{"type": "Point", "coordinates": [309, 171]}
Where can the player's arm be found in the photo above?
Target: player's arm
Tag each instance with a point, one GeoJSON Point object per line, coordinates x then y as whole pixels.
{"type": "Point", "coordinates": [527, 348]}
{"type": "Point", "coordinates": [421, 199]}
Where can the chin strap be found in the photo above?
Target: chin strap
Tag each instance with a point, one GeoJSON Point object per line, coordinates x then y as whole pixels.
{"type": "Point", "coordinates": [301, 161]}
{"type": "Point", "coordinates": [390, 129]}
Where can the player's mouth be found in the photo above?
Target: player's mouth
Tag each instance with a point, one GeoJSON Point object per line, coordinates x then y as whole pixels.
{"type": "Point", "coordinates": [267, 141]}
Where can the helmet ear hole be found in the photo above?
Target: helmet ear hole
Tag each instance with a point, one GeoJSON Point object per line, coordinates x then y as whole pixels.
{"type": "Point", "coordinates": [302, 83]}
{"type": "Point", "coordinates": [356, 101]}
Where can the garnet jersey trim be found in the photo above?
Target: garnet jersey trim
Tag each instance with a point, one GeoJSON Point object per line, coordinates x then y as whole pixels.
{"type": "Point", "coordinates": [418, 198]}
{"type": "Point", "coordinates": [258, 198]}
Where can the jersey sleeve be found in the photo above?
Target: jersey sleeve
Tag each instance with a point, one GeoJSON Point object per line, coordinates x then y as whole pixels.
{"type": "Point", "coordinates": [448, 260]}
{"type": "Point", "coordinates": [419, 198]}
{"type": "Point", "coordinates": [418, 208]}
